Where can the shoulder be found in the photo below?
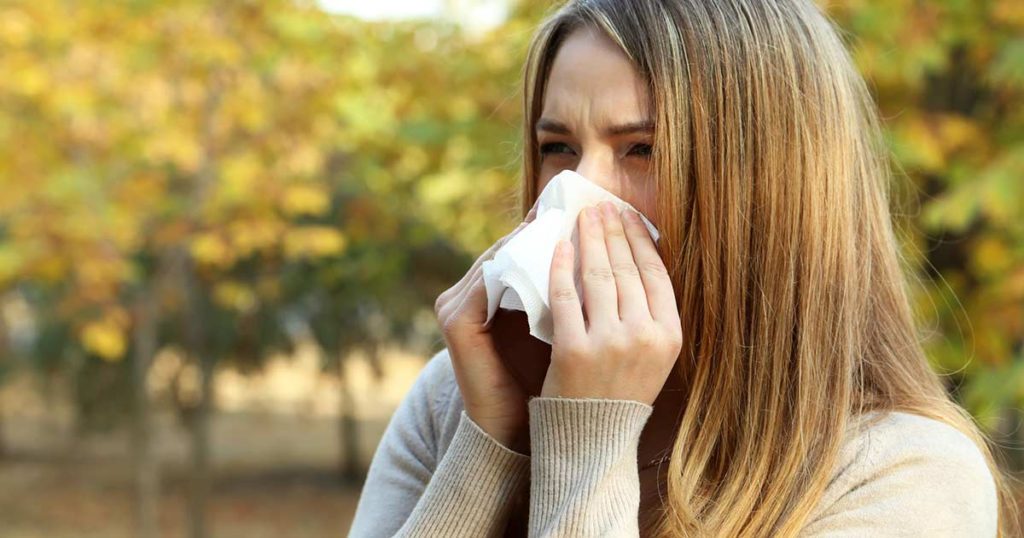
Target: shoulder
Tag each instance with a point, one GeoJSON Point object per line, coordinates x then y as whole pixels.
{"type": "Point", "coordinates": [421, 425]}
{"type": "Point", "coordinates": [928, 444]}
{"type": "Point", "coordinates": [437, 379]}
{"type": "Point", "coordinates": [920, 472]}
{"type": "Point", "coordinates": [436, 391]}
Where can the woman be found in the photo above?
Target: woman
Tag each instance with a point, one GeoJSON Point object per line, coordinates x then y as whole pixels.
{"type": "Point", "coordinates": [757, 373]}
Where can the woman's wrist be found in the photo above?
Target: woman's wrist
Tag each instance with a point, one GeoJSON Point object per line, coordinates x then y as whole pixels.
{"type": "Point", "coordinates": [517, 440]}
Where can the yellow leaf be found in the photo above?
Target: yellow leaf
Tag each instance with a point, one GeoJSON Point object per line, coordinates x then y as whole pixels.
{"type": "Point", "coordinates": [991, 257]}
{"type": "Point", "coordinates": [305, 199]}
{"type": "Point", "coordinates": [50, 268]}
{"type": "Point", "coordinates": [15, 28]}
{"type": "Point", "coordinates": [99, 269]}
{"type": "Point", "coordinates": [1009, 12]}
{"type": "Point", "coordinates": [462, 107]}
{"type": "Point", "coordinates": [174, 145]}
{"type": "Point", "coordinates": [313, 241]}
{"type": "Point", "coordinates": [956, 131]}
{"type": "Point", "coordinates": [250, 235]}
{"type": "Point", "coordinates": [210, 249]}
{"type": "Point", "coordinates": [413, 161]}
{"type": "Point", "coordinates": [11, 262]}
{"type": "Point", "coordinates": [920, 144]}
{"type": "Point", "coordinates": [304, 160]}
{"type": "Point", "coordinates": [239, 175]}
{"type": "Point", "coordinates": [235, 296]}
{"type": "Point", "coordinates": [104, 338]}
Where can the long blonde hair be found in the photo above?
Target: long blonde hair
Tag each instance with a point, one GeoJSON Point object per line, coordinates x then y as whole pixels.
{"type": "Point", "coordinates": [774, 212]}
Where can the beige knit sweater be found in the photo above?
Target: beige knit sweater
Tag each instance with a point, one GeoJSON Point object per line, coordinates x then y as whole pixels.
{"type": "Point", "coordinates": [436, 473]}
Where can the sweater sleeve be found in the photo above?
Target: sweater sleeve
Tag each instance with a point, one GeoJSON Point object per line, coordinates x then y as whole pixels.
{"type": "Point", "coordinates": [471, 492]}
{"type": "Point", "coordinates": [584, 479]}
{"type": "Point", "coordinates": [912, 476]}
{"type": "Point", "coordinates": [409, 492]}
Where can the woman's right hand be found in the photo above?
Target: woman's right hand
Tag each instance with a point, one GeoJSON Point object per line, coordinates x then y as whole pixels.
{"type": "Point", "coordinates": [492, 397]}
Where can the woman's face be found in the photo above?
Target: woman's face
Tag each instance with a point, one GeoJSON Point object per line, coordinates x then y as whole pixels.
{"type": "Point", "coordinates": [595, 120]}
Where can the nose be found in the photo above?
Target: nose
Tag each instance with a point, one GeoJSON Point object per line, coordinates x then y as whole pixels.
{"type": "Point", "coordinates": [601, 172]}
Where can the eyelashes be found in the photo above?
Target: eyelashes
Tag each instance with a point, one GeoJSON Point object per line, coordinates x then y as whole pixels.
{"type": "Point", "coordinates": [551, 147]}
{"type": "Point", "coordinates": [645, 150]}
{"type": "Point", "coordinates": [638, 150]}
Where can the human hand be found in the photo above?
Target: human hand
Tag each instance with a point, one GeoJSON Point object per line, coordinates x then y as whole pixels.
{"type": "Point", "coordinates": [631, 337]}
{"type": "Point", "coordinates": [492, 397]}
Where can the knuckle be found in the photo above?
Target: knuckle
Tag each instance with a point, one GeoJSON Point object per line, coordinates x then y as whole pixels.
{"type": "Point", "coordinates": [645, 337]}
{"type": "Point", "coordinates": [563, 294]}
{"type": "Point", "coordinates": [613, 230]}
{"type": "Point", "coordinates": [599, 274]}
{"type": "Point", "coordinates": [675, 339]}
{"type": "Point", "coordinates": [618, 343]}
{"type": "Point", "coordinates": [625, 269]}
{"type": "Point", "coordinates": [447, 325]}
{"type": "Point", "coordinates": [451, 325]}
{"type": "Point", "coordinates": [573, 351]}
{"type": "Point", "coordinates": [595, 233]}
{"type": "Point", "coordinates": [654, 267]}
{"type": "Point", "coordinates": [440, 303]}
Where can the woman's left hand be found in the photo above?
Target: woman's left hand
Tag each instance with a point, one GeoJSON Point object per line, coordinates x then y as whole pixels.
{"type": "Point", "coordinates": [631, 337]}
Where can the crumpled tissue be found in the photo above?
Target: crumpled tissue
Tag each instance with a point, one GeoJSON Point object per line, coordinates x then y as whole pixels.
{"type": "Point", "coordinates": [516, 277]}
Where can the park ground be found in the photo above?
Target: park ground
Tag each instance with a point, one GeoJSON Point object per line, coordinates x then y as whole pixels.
{"type": "Point", "coordinates": [275, 446]}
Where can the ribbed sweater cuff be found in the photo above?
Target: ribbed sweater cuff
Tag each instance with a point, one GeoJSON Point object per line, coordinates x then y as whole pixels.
{"type": "Point", "coordinates": [470, 493]}
{"type": "Point", "coordinates": [584, 477]}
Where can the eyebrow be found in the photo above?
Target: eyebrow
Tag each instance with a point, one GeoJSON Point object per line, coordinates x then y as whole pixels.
{"type": "Point", "coordinates": [553, 126]}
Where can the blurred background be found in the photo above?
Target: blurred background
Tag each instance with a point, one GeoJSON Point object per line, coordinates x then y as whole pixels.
{"type": "Point", "coordinates": [223, 226]}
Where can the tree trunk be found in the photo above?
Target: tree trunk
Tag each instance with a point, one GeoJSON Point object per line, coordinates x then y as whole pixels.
{"type": "Point", "coordinates": [199, 429]}
{"type": "Point", "coordinates": [199, 419]}
{"type": "Point", "coordinates": [196, 336]}
{"type": "Point", "coordinates": [3, 445]}
{"type": "Point", "coordinates": [4, 345]}
{"type": "Point", "coordinates": [350, 467]}
{"type": "Point", "coordinates": [147, 472]}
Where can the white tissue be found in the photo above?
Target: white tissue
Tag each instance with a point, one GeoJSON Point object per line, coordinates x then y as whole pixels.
{"type": "Point", "coordinates": [516, 278]}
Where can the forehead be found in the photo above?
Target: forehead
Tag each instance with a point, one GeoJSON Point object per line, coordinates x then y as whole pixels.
{"type": "Point", "coordinates": [592, 74]}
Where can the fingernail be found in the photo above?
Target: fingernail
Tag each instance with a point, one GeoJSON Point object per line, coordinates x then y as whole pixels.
{"type": "Point", "coordinates": [591, 213]}
{"type": "Point", "coordinates": [632, 215]}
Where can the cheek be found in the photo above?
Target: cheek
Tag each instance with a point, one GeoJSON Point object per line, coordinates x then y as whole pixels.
{"type": "Point", "coordinates": [546, 172]}
{"type": "Point", "coordinates": [647, 209]}
{"type": "Point", "coordinates": [644, 198]}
